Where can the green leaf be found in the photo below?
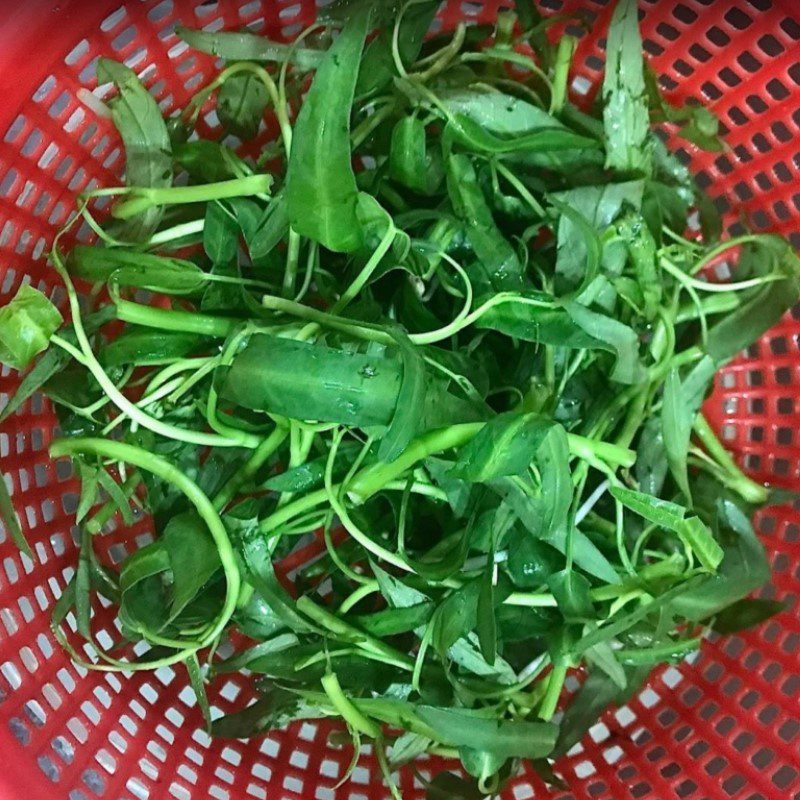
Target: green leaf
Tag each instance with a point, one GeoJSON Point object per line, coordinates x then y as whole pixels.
{"type": "Point", "coordinates": [198, 685]}
{"type": "Point", "coordinates": [571, 590]}
{"type": "Point", "coordinates": [246, 46]}
{"type": "Point", "coordinates": [625, 114]}
{"type": "Point", "coordinates": [409, 161]}
{"type": "Point", "coordinates": [193, 557]}
{"type": "Point", "coordinates": [552, 326]}
{"type": "Point", "coordinates": [255, 553]}
{"type": "Point", "coordinates": [407, 419]}
{"type": "Point", "coordinates": [598, 206]}
{"type": "Point", "coordinates": [480, 764]}
{"type": "Point", "coordinates": [220, 234]}
{"type": "Point", "coordinates": [620, 339]}
{"type": "Point", "coordinates": [116, 495]}
{"type": "Point", "coordinates": [695, 534]}
{"type": "Point", "coordinates": [397, 593]}
{"type": "Point", "coordinates": [26, 325]}
{"type": "Point", "coordinates": [547, 139]}
{"type": "Point", "coordinates": [207, 161]}
{"type": "Point", "coordinates": [392, 621]}
{"type": "Point", "coordinates": [320, 183]}
{"type": "Point", "coordinates": [241, 104]}
{"type": "Point", "coordinates": [506, 445]}
{"type": "Point", "coordinates": [465, 728]}
{"type": "Point", "coordinates": [653, 509]}
{"type": "Point", "coordinates": [500, 113]}
{"type": "Point", "coordinates": [744, 567]}
{"type": "Point", "coordinates": [377, 65]}
{"type": "Point", "coordinates": [676, 421]}
{"type": "Point", "coordinates": [744, 614]}
{"type": "Point", "coordinates": [135, 269]}
{"type": "Point", "coordinates": [496, 256]}
{"type": "Point", "coordinates": [148, 156]}
{"type": "Point", "coordinates": [306, 381]}
{"type": "Point", "coordinates": [275, 709]}
{"type": "Point", "coordinates": [10, 520]}
{"type": "Point", "coordinates": [52, 362]}
{"type": "Point", "coordinates": [142, 346]}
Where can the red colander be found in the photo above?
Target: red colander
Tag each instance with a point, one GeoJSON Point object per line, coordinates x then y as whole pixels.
{"type": "Point", "coordinates": [723, 725]}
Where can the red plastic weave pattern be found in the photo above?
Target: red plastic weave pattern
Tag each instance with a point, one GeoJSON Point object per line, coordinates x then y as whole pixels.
{"type": "Point", "coordinates": [722, 726]}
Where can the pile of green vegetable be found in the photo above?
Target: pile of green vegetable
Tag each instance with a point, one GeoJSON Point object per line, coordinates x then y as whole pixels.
{"type": "Point", "coordinates": [450, 322]}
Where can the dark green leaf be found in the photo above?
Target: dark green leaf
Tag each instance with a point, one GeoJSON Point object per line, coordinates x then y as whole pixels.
{"type": "Point", "coordinates": [135, 269]}
{"type": "Point", "coordinates": [651, 458]}
{"type": "Point", "coordinates": [496, 256]}
{"type": "Point", "coordinates": [246, 46]}
{"type": "Point", "coordinates": [552, 326]}
{"type": "Point", "coordinates": [407, 418]}
{"type": "Point", "coordinates": [148, 346]}
{"type": "Point", "coordinates": [392, 621]}
{"type": "Point", "coordinates": [531, 561]}
{"type": "Point", "coordinates": [744, 614]}
{"type": "Point", "coordinates": [676, 420]}
{"type": "Point", "coordinates": [207, 161]}
{"type": "Point", "coordinates": [148, 156]}
{"type": "Point", "coordinates": [377, 65]}
{"type": "Point", "coordinates": [465, 728]}
{"type": "Point", "coordinates": [320, 184]}
{"type": "Point", "coordinates": [193, 557]}
{"type": "Point", "coordinates": [506, 445]}
{"type": "Point", "coordinates": [653, 509]}
{"type": "Point", "coordinates": [220, 234]}
{"type": "Point", "coordinates": [756, 315]}
{"type": "Point", "coordinates": [263, 227]}
{"type": "Point", "coordinates": [571, 590]}
{"type": "Point", "coordinates": [620, 338]}
{"type": "Point", "coordinates": [274, 710]}
{"type": "Point", "coordinates": [447, 786]}
{"type": "Point", "coordinates": [241, 104]}
{"type": "Point", "coordinates": [597, 692]}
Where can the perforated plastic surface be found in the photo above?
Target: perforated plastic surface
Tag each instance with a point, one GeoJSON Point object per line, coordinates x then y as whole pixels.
{"type": "Point", "coordinates": [723, 726]}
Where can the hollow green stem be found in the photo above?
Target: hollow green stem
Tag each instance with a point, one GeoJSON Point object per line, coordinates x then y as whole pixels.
{"type": "Point", "coordinates": [745, 487]}
{"type": "Point", "coordinates": [555, 683]}
{"type": "Point", "coordinates": [141, 198]}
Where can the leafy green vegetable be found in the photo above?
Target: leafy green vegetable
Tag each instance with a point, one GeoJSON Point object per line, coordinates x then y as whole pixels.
{"type": "Point", "coordinates": [409, 393]}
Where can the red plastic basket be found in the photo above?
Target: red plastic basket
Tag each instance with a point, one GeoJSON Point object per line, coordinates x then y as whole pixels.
{"type": "Point", "coordinates": [721, 726]}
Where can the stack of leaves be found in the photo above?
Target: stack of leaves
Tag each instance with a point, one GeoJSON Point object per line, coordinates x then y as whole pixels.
{"type": "Point", "coordinates": [449, 325]}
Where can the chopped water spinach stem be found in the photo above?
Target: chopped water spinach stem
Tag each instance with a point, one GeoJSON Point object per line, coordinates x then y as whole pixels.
{"type": "Point", "coordinates": [412, 395]}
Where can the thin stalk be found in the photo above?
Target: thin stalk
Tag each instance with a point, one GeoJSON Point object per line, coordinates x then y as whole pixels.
{"type": "Point", "coordinates": [745, 487]}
